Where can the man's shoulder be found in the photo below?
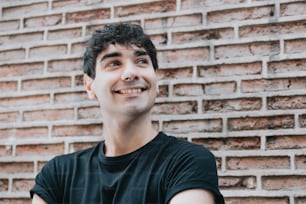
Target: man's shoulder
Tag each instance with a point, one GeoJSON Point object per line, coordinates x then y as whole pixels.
{"type": "Point", "coordinates": [77, 156]}
{"type": "Point", "coordinates": [180, 146]}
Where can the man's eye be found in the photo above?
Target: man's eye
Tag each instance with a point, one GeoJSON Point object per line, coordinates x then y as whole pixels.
{"type": "Point", "coordinates": [113, 64]}
{"type": "Point", "coordinates": [142, 61]}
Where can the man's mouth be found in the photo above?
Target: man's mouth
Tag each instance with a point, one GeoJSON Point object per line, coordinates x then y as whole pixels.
{"type": "Point", "coordinates": [131, 90]}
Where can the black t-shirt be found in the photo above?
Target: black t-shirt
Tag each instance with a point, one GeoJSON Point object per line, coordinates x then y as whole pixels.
{"type": "Point", "coordinates": [152, 174]}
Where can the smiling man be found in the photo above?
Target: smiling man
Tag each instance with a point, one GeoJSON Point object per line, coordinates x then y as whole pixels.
{"type": "Point", "coordinates": [134, 164]}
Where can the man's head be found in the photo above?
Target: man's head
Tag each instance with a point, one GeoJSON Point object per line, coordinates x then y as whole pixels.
{"type": "Point", "coordinates": [123, 34]}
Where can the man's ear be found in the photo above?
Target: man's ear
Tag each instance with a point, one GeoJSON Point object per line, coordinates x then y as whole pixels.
{"type": "Point", "coordinates": [157, 89]}
{"type": "Point", "coordinates": [88, 83]}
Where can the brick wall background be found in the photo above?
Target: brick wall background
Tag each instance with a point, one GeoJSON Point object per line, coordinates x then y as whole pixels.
{"type": "Point", "coordinates": [232, 77]}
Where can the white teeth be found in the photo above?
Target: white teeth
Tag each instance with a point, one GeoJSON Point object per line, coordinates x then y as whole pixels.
{"type": "Point", "coordinates": [130, 91]}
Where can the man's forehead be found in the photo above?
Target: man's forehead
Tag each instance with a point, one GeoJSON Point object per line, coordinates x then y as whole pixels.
{"type": "Point", "coordinates": [120, 49]}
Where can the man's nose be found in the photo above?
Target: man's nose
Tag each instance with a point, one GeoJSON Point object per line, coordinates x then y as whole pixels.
{"type": "Point", "coordinates": [129, 73]}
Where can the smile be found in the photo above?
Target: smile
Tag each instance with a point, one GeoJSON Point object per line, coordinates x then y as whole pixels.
{"type": "Point", "coordinates": [130, 91]}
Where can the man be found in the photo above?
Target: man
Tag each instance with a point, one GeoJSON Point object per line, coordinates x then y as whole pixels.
{"type": "Point", "coordinates": [134, 163]}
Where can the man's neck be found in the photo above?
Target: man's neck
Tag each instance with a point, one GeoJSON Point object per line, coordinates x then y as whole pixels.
{"type": "Point", "coordinates": [125, 136]}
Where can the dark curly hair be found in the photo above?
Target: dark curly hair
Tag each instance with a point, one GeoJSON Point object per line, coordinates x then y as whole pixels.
{"type": "Point", "coordinates": [118, 33]}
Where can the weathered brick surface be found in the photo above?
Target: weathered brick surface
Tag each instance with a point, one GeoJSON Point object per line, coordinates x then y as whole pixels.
{"type": "Point", "coordinates": [231, 78]}
{"type": "Point", "coordinates": [238, 163]}
{"type": "Point", "coordinates": [143, 8]}
{"type": "Point", "coordinates": [233, 143]}
{"type": "Point", "coordinates": [286, 142]}
{"type": "Point", "coordinates": [42, 21]}
{"type": "Point", "coordinates": [297, 182]}
{"type": "Point", "coordinates": [241, 182]}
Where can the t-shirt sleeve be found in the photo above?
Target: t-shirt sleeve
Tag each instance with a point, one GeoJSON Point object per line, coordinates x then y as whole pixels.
{"type": "Point", "coordinates": [46, 183]}
{"type": "Point", "coordinates": [193, 168]}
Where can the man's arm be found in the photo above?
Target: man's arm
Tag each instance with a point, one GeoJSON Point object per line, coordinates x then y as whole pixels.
{"type": "Point", "coordinates": [38, 200]}
{"type": "Point", "coordinates": [194, 196]}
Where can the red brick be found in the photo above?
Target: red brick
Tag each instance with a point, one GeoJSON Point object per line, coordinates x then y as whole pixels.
{"type": "Point", "coordinates": [286, 102]}
{"type": "Point", "coordinates": [9, 25]}
{"type": "Point", "coordinates": [9, 117]}
{"type": "Point", "coordinates": [302, 120]}
{"type": "Point", "coordinates": [42, 21]}
{"type": "Point", "coordinates": [24, 101]}
{"type": "Point", "coordinates": [232, 143]}
{"type": "Point", "coordinates": [237, 183]}
{"type": "Point", "coordinates": [49, 115]}
{"type": "Point", "coordinates": [294, 27]}
{"type": "Point", "coordinates": [143, 8]}
{"type": "Point", "coordinates": [189, 4]}
{"type": "Point", "coordinates": [263, 162]}
{"type": "Point", "coordinates": [171, 22]}
{"type": "Point", "coordinates": [189, 126]}
{"type": "Point", "coordinates": [8, 55]}
{"type": "Point", "coordinates": [288, 182]}
{"type": "Point", "coordinates": [78, 48]}
{"type": "Point", "coordinates": [283, 84]}
{"type": "Point", "coordinates": [260, 123]}
{"type": "Point", "coordinates": [6, 150]}
{"type": "Point", "coordinates": [229, 105]}
{"type": "Point", "coordinates": [45, 84]}
{"type": "Point", "coordinates": [202, 35]}
{"type": "Point", "coordinates": [8, 86]}
{"type": "Point", "coordinates": [23, 10]}
{"type": "Point", "coordinates": [21, 38]}
{"type": "Point", "coordinates": [188, 89]}
{"type": "Point", "coordinates": [286, 142]}
{"type": "Point", "coordinates": [22, 185]}
{"type": "Point", "coordinates": [65, 34]}
{"type": "Point", "coordinates": [60, 4]}
{"type": "Point", "coordinates": [300, 200]}
{"type": "Point", "coordinates": [80, 146]}
{"type": "Point", "coordinates": [184, 55]}
{"type": "Point", "coordinates": [89, 113]}
{"type": "Point", "coordinates": [24, 69]}
{"type": "Point", "coordinates": [186, 107]}
{"type": "Point", "coordinates": [22, 133]}
{"type": "Point", "coordinates": [175, 73]}
{"type": "Point", "coordinates": [40, 149]}
{"type": "Point", "coordinates": [16, 167]}
{"type": "Point", "coordinates": [163, 91]}
{"type": "Point", "coordinates": [285, 66]}
{"type": "Point", "coordinates": [253, 68]}
{"type": "Point", "coordinates": [223, 88]}
{"type": "Point", "coordinates": [40, 165]}
{"type": "Point", "coordinates": [295, 46]}
{"type": "Point", "coordinates": [70, 97]}
{"type": "Point", "coordinates": [88, 15]}
{"type": "Point", "coordinates": [3, 185]}
{"type": "Point", "coordinates": [263, 12]}
{"type": "Point", "coordinates": [77, 130]}
{"type": "Point", "coordinates": [15, 200]}
{"type": "Point", "coordinates": [293, 9]}
{"type": "Point", "coordinates": [160, 39]}
{"type": "Point", "coordinates": [256, 200]}
{"type": "Point", "coordinates": [270, 48]}
{"type": "Point", "coordinates": [79, 81]}
{"type": "Point", "coordinates": [300, 161]}
{"type": "Point", "coordinates": [48, 51]}
{"type": "Point", "coordinates": [219, 163]}
{"type": "Point", "coordinates": [66, 65]}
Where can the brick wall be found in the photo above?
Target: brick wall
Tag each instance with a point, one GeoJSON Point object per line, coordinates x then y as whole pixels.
{"type": "Point", "coordinates": [232, 77]}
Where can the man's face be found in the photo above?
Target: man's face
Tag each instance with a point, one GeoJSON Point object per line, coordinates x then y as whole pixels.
{"type": "Point", "coordinates": [125, 81]}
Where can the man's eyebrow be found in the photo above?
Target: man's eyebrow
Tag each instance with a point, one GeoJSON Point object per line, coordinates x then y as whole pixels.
{"type": "Point", "coordinates": [109, 55]}
{"type": "Point", "coordinates": [138, 53]}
